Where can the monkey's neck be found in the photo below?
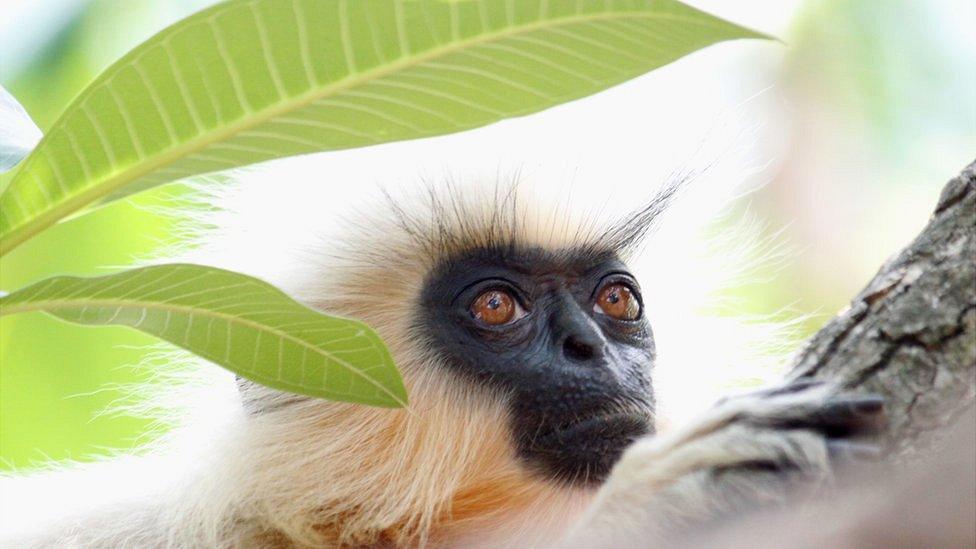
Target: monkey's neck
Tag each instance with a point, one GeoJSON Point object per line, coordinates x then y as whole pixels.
{"type": "Point", "coordinates": [342, 475]}
{"type": "Point", "coordinates": [499, 513]}
{"type": "Point", "coordinates": [507, 514]}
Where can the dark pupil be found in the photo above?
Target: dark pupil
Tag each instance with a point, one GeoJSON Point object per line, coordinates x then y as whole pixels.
{"type": "Point", "coordinates": [494, 303]}
{"type": "Point", "coordinates": [613, 297]}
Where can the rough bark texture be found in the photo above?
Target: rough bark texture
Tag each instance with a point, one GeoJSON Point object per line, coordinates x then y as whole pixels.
{"type": "Point", "coordinates": [910, 335]}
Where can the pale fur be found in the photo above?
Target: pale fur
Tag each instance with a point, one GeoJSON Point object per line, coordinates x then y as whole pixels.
{"type": "Point", "coordinates": [313, 473]}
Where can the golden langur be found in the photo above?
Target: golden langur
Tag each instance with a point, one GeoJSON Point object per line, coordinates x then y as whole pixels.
{"type": "Point", "coordinates": [528, 349]}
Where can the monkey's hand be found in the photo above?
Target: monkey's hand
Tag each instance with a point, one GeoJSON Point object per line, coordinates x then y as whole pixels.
{"type": "Point", "coordinates": [747, 453]}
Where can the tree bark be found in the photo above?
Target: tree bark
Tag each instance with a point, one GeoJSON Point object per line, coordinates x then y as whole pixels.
{"type": "Point", "coordinates": [910, 335]}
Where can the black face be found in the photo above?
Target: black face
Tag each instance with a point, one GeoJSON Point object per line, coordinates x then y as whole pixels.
{"type": "Point", "coordinates": [565, 335]}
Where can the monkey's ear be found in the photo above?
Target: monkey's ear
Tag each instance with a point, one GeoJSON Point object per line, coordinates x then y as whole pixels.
{"type": "Point", "coordinates": [627, 234]}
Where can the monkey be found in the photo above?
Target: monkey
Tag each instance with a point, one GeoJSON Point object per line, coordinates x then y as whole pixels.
{"type": "Point", "coordinates": [524, 340]}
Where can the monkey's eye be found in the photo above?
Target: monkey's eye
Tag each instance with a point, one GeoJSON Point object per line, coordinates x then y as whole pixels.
{"type": "Point", "coordinates": [496, 308]}
{"type": "Point", "coordinates": [617, 300]}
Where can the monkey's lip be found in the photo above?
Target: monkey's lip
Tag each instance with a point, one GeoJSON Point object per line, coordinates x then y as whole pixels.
{"type": "Point", "coordinates": [582, 450]}
{"type": "Point", "coordinates": [620, 426]}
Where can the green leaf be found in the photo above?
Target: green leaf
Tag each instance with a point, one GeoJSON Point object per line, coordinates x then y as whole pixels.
{"type": "Point", "coordinates": [251, 80]}
{"type": "Point", "coordinates": [236, 321]}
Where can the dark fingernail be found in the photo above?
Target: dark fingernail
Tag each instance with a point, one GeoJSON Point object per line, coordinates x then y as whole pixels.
{"type": "Point", "coordinates": [869, 405]}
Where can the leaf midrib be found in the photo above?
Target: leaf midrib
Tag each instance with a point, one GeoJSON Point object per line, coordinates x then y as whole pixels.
{"type": "Point", "coordinates": [44, 305]}
{"type": "Point", "coordinates": [91, 193]}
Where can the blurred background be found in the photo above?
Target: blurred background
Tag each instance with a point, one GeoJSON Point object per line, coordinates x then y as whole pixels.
{"type": "Point", "coordinates": [854, 122]}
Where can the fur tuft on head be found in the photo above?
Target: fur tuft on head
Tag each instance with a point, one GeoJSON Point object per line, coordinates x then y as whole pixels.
{"type": "Point", "coordinates": [442, 221]}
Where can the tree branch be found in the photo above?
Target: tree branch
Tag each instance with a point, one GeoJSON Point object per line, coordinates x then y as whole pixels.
{"type": "Point", "coordinates": [910, 335]}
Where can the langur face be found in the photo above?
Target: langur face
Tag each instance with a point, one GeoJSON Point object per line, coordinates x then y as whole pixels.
{"type": "Point", "coordinates": [563, 334]}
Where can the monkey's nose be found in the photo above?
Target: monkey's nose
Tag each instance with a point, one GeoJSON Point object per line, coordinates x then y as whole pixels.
{"type": "Point", "coordinates": [579, 349]}
{"type": "Point", "coordinates": [577, 333]}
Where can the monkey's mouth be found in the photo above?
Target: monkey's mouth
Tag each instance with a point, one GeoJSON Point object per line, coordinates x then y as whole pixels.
{"type": "Point", "coordinates": [612, 427]}
{"type": "Point", "coordinates": [583, 451]}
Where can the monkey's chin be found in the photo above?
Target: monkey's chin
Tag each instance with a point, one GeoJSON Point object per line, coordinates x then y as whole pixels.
{"type": "Point", "coordinates": [583, 452]}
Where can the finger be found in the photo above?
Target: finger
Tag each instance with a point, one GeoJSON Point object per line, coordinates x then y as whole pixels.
{"type": "Point", "coordinates": [851, 415]}
{"type": "Point", "coordinates": [838, 416]}
{"type": "Point", "coordinates": [793, 387]}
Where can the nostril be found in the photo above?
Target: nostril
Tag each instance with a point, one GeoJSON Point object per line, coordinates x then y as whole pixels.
{"type": "Point", "coordinates": [575, 349]}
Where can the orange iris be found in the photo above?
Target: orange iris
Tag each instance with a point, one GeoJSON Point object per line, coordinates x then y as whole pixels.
{"type": "Point", "coordinates": [618, 301]}
{"type": "Point", "coordinates": [494, 307]}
